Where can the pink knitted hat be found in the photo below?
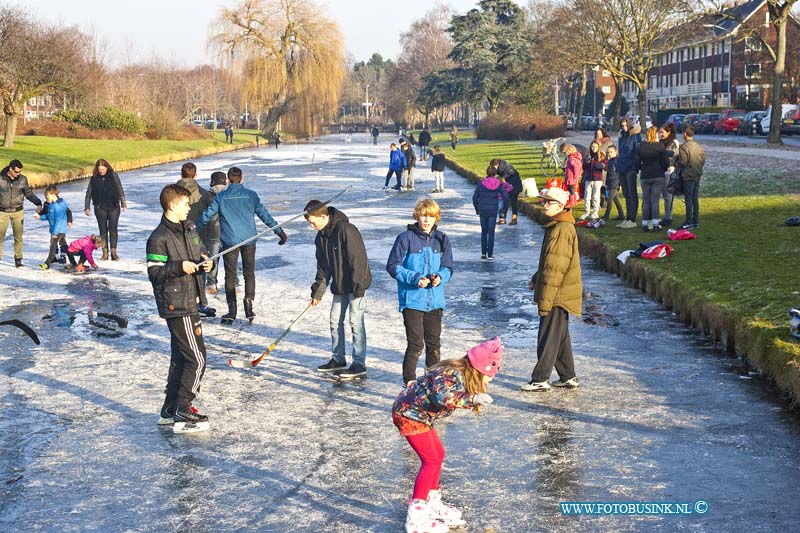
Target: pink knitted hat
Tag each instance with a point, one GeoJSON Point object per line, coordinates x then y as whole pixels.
{"type": "Point", "coordinates": [486, 356]}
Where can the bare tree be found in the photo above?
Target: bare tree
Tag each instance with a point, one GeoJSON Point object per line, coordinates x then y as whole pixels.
{"type": "Point", "coordinates": [34, 60]}
{"type": "Point", "coordinates": [289, 56]}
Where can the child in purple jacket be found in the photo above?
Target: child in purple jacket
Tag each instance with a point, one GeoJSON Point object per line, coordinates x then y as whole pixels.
{"type": "Point", "coordinates": [83, 248]}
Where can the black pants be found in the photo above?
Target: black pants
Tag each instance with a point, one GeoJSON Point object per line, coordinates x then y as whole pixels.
{"type": "Point", "coordinates": [554, 347]}
{"type": "Point", "coordinates": [399, 173]}
{"type": "Point", "coordinates": [107, 221]}
{"type": "Point", "coordinates": [613, 198]}
{"type": "Point", "coordinates": [423, 329]}
{"type": "Point", "coordinates": [187, 362]}
{"type": "Point", "coordinates": [375, 140]}
{"type": "Point", "coordinates": [231, 262]}
{"type": "Point", "coordinates": [513, 203]}
{"type": "Point", "coordinates": [81, 258]}
{"type": "Point", "coordinates": [691, 191]}
{"type": "Point", "coordinates": [56, 241]}
{"type": "Point", "coordinates": [631, 195]}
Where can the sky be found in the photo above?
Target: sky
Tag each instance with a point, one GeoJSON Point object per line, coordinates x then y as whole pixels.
{"type": "Point", "coordinates": [176, 30]}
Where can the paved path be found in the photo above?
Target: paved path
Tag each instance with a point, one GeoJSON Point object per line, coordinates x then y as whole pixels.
{"type": "Point", "coordinates": [662, 415]}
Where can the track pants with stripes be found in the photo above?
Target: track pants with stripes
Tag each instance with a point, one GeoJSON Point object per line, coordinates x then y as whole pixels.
{"type": "Point", "coordinates": [188, 361]}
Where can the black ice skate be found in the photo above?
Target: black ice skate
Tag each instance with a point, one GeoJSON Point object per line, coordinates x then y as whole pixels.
{"type": "Point", "coordinates": [187, 421]}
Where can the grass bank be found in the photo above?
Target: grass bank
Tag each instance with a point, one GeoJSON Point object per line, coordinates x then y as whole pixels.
{"type": "Point", "coordinates": [51, 160]}
{"type": "Point", "coordinates": [735, 282]}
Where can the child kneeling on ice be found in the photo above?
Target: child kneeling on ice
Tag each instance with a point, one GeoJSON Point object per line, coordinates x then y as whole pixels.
{"type": "Point", "coordinates": [83, 248]}
{"type": "Point", "coordinates": [451, 384]}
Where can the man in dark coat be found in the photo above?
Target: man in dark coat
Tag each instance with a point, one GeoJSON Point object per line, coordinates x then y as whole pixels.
{"type": "Point", "coordinates": [14, 189]}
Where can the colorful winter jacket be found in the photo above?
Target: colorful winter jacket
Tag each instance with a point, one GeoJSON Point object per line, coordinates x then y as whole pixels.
{"type": "Point", "coordinates": [170, 244]}
{"type": "Point", "coordinates": [573, 171]}
{"type": "Point", "coordinates": [14, 191]}
{"type": "Point", "coordinates": [598, 168]}
{"type": "Point", "coordinates": [415, 255]}
{"type": "Point", "coordinates": [433, 396]}
{"type": "Point", "coordinates": [57, 214]}
{"type": "Point", "coordinates": [397, 161]}
{"type": "Point", "coordinates": [558, 280]}
{"type": "Point", "coordinates": [486, 194]}
{"type": "Point", "coordinates": [341, 258]}
{"type": "Point", "coordinates": [85, 245]}
{"type": "Point", "coordinates": [237, 206]}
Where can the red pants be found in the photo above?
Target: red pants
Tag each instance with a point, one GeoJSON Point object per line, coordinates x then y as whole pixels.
{"type": "Point", "coordinates": [431, 454]}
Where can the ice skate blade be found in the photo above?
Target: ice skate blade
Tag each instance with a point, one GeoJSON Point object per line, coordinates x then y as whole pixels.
{"type": "Point", "coordinates": [190, 427]}
{"type": "Point", "coordinates": [240, 364]}
{"type": "Point", "coordinates": [165, 421]}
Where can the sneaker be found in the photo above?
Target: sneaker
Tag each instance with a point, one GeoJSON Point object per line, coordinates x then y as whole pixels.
{"type": "Point", "coordinates": [444, 512]}
{"type": "Point", "coordinates": [385, 187]}
{"type": "Point", "coordinates": [18, 262]}
{"type": "Point", "coordinates": [420, 520]}
{"type": "Point", "coordinates": [627, 224]}
{"type": "Point", "coordinates": [571, 383]}
{"type": "Point", "coordinates": [657, 227]}
{"type": "Point", "coordinates": [647, 228]}
{"type": "Point", "coordinates": [211, 289]}
{"type": "Point", "coordinates": [331, 366]}
{"type": "Point", "coordinates": [207, 311]}
{"type": "Point", "coordinates": [490, 257]}
{"type": "Point", "coordinates": [483, 256]}
{"type": "Point", "coordinates": [584, 216]}
{"type": "Point", "coordinates": [44, 266]}
{"type": "Point", "coordinates": [535, 386]}
{"type": "Point", "coordinates": [356, 370]}
{"type": "Point", "coordinates": [189, 421]}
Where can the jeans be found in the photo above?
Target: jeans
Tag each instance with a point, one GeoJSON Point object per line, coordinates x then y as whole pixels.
{"type": "Point", "coordinates": [631, 195]}
{"type": "Point", "coordinates": [107, 221]}
{"type": "Point", "coordinates": [668, 198]}
{"type": "Point", "coordinates": [408, 178]}
{"type": "Point", "coordinates": [691, 191]}
{"type": "Point", "coordinates": [356, 306]}
{"type": "Point", "coordinates": [438, 175]}
{"type": "Point", "coordinates": [651, 198]}
{"type": "Point", "coordinates": [613, 198]}
{"type": "Point", "coordinates": [213, 249]}
{"type": "Point", "coordinates": [389, 176]}
{"type": "Point", "coordinates": [423, 329]}
{"type": "Point", "coordinates": [57, 241]}
{"type": "Point", "coordinates": [488, 223]}
{"type": "Point", "coordinates": [231, 261]}
{"type": "Point", "coordinates": [17, 219]}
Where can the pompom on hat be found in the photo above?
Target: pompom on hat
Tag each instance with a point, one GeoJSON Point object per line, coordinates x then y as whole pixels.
{"type": "Point", "coordinates": [486, 356]}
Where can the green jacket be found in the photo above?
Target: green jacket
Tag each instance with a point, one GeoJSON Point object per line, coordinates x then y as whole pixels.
{"type": "Point", "coordinates": [558, 280]}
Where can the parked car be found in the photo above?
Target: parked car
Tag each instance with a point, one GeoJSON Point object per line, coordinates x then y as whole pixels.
{"type": "Point", "coordinates": [790, 124]}
{"type": "Point", "coordinates": [750, 123]}
{"type": "Point", "coordinates": [728, 121]}
{"type": "Point", "coordinates": [705, 124]}
{"type": "Point", "coordinates": [675, 120]}
{"type": "Point", "coordinates": [689, 120]}
{"type": "Point", "coordinates": [634, 119]}
{"type": "Point", "coordinates": [785, 108]}
{"type": "Point", "coordinates": [568, 123]}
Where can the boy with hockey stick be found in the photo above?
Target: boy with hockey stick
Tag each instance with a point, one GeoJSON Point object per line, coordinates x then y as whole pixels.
{"type": "Point", "coordinates": [174, 250]}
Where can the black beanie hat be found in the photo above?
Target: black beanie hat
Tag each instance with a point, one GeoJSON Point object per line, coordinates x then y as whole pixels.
{"type": "Point", "coordinates": [219, 178]}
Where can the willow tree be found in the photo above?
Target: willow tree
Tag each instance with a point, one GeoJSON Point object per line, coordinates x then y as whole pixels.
{"type": "Point", "coordinates": [289, 59]}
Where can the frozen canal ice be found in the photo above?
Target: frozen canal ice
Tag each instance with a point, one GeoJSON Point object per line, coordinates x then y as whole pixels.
{"type": "Point", "coordinates": [662, 415]}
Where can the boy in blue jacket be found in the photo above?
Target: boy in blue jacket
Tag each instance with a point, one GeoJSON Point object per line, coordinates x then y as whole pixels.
{"type": "Point", "coordinates": [237, 207]}
{"type": "Point", "coordinates": [421, 261]}
{"type": "Point", "coordinates": [59, 216]}
{"type": "Point", "coordinates": [397, 162]}
{"type": "Point", "coordinates": [484, 199]}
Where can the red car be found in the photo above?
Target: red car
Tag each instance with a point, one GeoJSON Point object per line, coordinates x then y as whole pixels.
{"type": "Point", "coordinates": [728, 121]}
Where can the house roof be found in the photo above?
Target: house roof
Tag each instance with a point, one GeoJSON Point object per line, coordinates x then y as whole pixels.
{"type": "Point", "coordinates": [732, 18]}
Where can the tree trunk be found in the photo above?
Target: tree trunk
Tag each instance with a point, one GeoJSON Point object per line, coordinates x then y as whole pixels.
{"type": "Point", "coordinates": [777, 83]}
{"type": "Point", "coordinates": [11, 129]}
{"type": "Point", "coordinates": [273, 117]}
{"type": "Point", "coordinates": [581, 99]}
{"type": "Point", "coordinates": [617, 102]}
{"type": "Point", "coordinates": [641, 98]}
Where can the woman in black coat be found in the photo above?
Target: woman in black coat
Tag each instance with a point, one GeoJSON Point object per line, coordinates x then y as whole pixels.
{"type": "Point", "coordinates": [105, 192]}
{"type": "Point", "coordinates": [652, 160]}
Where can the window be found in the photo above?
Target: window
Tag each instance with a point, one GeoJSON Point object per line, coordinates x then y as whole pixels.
{"type": "Point", "coordinates": [752, 70]}
{"type": "Point", "coordinates": [766, 19]}
{"type": "Point", "coordinates": [606, 89]}
{"type": "Point", "coordinates": [752, 44]}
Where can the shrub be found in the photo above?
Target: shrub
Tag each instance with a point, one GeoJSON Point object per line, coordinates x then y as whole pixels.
{"type": "Point", "coordinates": [107, 118]}
{"type": "Point", "coordinates": [513, 123]}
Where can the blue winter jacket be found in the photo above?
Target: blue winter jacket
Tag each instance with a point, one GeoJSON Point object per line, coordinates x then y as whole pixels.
{"type": "Point", "coordinates": [415, 255]}
{"type": "Point", "coordinates": [57, 215]}
{"type": "Point", "coordinates": [237, 206]}
{"type": "Point", "coordinates": [397, 161]}
{"type": "Point", "coordinates": [486, 195]}
{"type": "Point", "coordinates": [628, 148]}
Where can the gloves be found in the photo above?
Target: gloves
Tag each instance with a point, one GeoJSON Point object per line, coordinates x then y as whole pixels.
{"type": "Point", "coordinates": [283, 238]}
{"type": "Point", "coordinates": [482, 398]}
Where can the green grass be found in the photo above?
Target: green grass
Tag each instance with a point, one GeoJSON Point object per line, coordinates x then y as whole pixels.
{"type": "Point", "coordinates": [45, 157]}
{"type": "Point", "coordinates": [743, 264]}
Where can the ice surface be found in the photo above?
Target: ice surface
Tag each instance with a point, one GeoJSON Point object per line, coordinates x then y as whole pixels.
{"type": "Point", "coordinates": [656, 419]}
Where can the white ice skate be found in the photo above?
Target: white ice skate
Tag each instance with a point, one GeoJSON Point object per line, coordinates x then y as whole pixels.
{"type": "Point", "coordinates": [420, 520]}
{"type": "Point", "coordinates": [445, 512]}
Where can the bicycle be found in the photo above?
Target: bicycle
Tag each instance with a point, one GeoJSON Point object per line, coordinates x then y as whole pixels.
{"type": "Point", "coordinates": [550, 162]}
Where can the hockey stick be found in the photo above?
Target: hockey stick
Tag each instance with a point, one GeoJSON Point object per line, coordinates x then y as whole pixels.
{"type": "Point", "coordinates": [254, 362]}
{"type": "Point", "coordinates": [257, 235]}
{"type": "Point", "coordinates": [24, 327]}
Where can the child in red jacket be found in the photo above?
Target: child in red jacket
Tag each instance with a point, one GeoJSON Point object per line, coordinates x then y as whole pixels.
{"type": "Point", "coordinates": [573, 172]}
{"type": "Point", "coordinates": [83, 248]}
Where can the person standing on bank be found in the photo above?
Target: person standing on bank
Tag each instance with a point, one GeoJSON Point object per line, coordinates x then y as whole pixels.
{"type": "Point", "coordinates": [421, 261]}
{"type": "Point", "coordinates": [691, 160]}
{"type": "Point", "coordinates": [628, 147]}
{"type": "Point", "coordinates": [105, 192]}
{"type": "Point", "coordinates": [558, 292]}
{"type": "Point", "coordinates": [14, 189]}
{"type": "Point", "coordinates": [342, 264]}
{"type": "Point", "coordinates": [506, 170]}
{"type": "Point", "coordinates": [669, 138]}
{"type": "Point", "coordinates": [237, 206]}
{"type": "Point", "coordinates": [652, 159]}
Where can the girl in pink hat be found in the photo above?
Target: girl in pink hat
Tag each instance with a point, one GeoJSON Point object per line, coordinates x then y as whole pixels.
{"type": "Point", "coordinates": [449, 385]}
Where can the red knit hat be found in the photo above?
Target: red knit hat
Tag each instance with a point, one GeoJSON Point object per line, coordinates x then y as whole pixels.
{"type": "Point", "coordinates": [486, 356]}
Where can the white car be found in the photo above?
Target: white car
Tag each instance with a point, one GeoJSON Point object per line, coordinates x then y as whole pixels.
{"type": "Point", "coordinates": [785, 108]}
{"type": "Point", "coordinates": [634, 119]}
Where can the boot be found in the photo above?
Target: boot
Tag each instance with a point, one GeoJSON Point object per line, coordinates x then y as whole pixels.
{"type": "Point", "coordinates": [248, 309]}
{"type": "Point", "coordinates": [420, 520]}
{"type": "Point", "coordinates": [513, 220]}
{"type": "Point", "coordinates": [104, 257]}
{"type": "Point", "coordinates": [114, 256]}
{"type": "Point", "coordinates": [230, 316]}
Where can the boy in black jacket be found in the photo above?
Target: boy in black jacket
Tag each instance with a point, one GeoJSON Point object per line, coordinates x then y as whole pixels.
{"type": "Point", "coordinates": [174, 250]}
{"type": "Point", "coordinates": [341, 263]}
